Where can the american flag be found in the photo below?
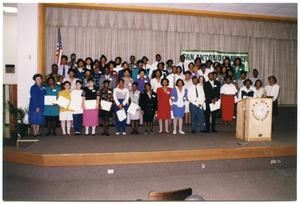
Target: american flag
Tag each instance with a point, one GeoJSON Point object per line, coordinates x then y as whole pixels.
{"type": "Point", "coordinates": [58, 52]}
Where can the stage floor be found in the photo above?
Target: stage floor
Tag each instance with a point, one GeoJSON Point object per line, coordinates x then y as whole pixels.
{"type": "Point", "coordinates": [284, 134]}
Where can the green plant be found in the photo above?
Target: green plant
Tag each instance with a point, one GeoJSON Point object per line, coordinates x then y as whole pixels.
{"type": "Point", "coordinates": [19, 113]}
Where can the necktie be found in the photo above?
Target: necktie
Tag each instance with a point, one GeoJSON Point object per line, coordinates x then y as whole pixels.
{"type": "Point", "coordinates": [183, 67]}
{"type": "Point", "coordinates": [196, 91]}
{"type": "Point", "coordinates": [174, 81]}
{"type": "Point", "coordinates": [64, 71]}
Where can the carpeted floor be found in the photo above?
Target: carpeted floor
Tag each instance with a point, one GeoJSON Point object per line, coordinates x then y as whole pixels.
{"type": "Point", "coordinates": [241, 185]}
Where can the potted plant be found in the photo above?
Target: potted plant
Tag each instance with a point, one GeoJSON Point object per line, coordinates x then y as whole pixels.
{"type": "Point", "coordinates": [21, 129]}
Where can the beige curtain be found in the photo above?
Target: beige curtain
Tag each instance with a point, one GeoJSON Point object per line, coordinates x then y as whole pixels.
{"type": "Point", "coordinates": [272, 46]}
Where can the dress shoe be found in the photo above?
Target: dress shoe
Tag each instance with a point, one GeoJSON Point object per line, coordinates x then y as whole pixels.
{"type": "Point", "coordinates": [214, 130]}
{"type": "Point", "coordinates": [193, 131]}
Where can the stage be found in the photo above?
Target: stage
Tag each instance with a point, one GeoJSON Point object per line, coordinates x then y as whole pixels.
{"type": "Point", "coordinates": [157, 148]}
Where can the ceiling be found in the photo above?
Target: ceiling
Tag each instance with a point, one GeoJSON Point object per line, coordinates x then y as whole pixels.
{"type": "Point", "coordinates": [269, 9]}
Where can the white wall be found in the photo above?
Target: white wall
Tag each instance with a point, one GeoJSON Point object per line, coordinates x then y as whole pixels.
{"type": "Point", "coordinates": [27, 41]}
{"type": "Point", "coordinates": [9, 46]}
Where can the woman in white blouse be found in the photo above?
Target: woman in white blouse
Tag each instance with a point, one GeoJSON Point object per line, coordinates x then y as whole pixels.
{"type": "Point", "coordinates": [121, 98]}
{"type": "Point", "coordinates": [272, 91]}
{"type": "Point", "coordinates": [260, 91]}
{"type": "Point", "coordinates": [155, 81]}
{"type": "Point", "coordinates": [228, 92]}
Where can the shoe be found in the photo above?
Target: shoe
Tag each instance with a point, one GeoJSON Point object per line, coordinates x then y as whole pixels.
{"type": "Point", "coordinates": [117, 133]}
{"type": "Point", "coordinates": [146, 133]}
{"type": "Point", "coordinates": [132, 133]}
{"type": "Point", "coordinates": [159, 132]}
{"type": "Point", "coordinates": [174, 133]}
{"type": "Point", "coordinates": [167, 131]}
{"type": "Point", "coordinates": [136, 132]}
{"type": "Point", "coordinates": [48, 134]}
{"type": "Point", "coordinates": [193, 131]}
{"type": "Point", "coordinates": [107, 134]}
{"type": "Point", "coordinates": [54, 134]}
{"type": "Point", "coordinates": [103, 133]}
{"type": "Point", "coordinates": [181, 132]}
{"type": "Point", "coordinates": [123, 133]}
{"type": "Point", "coordinates": [214, 130]}
{"type": "Point", "coordinates": [151, 132]}
{"type": "Point", "coordinates": [93, 134]}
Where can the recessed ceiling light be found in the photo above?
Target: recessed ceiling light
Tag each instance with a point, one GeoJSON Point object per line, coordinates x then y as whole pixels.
{"type": "Point", "coordinates": [10, 9]}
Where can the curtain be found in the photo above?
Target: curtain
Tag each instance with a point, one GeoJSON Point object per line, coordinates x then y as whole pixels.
{"type": "Point", "coordinates": [272, 46]}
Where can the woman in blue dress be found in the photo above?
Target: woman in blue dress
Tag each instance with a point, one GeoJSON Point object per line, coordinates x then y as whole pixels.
{"type": "Point", "coordinates": [179, 97]}
{"type": "Point", "coordinates": [51, 112]}
{"type": "Point", "coordinates": [36, 105]}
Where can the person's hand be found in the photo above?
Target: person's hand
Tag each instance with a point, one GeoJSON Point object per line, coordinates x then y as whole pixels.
{"type": "Point", "coordinates": [142, 112]}
{"type": "Point", "coordinates": [155, 114]}
{"type": "Point", "coordinates": [120, 106]}
{"type": "Point", "coordinates": [37, 110]}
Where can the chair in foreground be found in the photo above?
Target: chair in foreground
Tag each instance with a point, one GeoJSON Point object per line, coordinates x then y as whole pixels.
{"type": "Point", "coordinates": [177, 195]}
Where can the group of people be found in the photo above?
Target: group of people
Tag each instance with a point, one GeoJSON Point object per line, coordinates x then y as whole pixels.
{"type": "Point", "coordinates": [188, 92]}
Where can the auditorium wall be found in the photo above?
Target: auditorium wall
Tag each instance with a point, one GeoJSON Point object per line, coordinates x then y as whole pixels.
{"type": "Point", "coordinates": [272, 46]}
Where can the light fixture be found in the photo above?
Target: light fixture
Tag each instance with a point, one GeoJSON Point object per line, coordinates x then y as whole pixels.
{"type": "Point", "coordinates": [10, 9]}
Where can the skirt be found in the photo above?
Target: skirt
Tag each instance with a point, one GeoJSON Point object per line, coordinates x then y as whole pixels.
{"type": "Point", "coordinates": [66, 115]}
{"type": "Point", "coordinates": [136, 116]}
{"type": "Point", "coordinates": [90, 117]}
{"type": "Point", "coordinates": [148, 116]}
{"type": "Point", "coordinates": [105, 114]}
{"type": "Point", "coordinates": [178, 112]}
{"type": "Point", "coordinates": [36, 118]}
{"type": "Point", "coordinates": [227, 107]}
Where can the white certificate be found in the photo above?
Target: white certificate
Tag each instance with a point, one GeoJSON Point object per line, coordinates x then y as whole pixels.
{"type": "Point", "coordinates": [75, 104]}
{"type": "Point", "coordinates": [121, 114]}
{"type": "Point", "coordinates": [105, 105]}
{"type": "Point", "coordinates": [63, 102]}
{"type": "Point", "coordinates": [216, 106]}
{"type": "Point", "coordinates": [133, 108]}
{"type": "Point", "coordinates": [90, 104]}
{"type": "Point", "coordinates": [50, 100]}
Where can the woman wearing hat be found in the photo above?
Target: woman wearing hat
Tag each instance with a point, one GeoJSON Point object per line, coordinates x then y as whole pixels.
{"type": "Point", "coordinates": [36, 105]}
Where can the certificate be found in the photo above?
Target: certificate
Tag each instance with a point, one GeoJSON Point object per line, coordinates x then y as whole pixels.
{"type": "Point", "coordinates": [216, 106]}
{"type": "Point", "coordinates": [63, 102]}
{"type": "Point", "coordinates": [90, 104]}
{"type": "Point", "coordinates": [105, 105]}
{"type": "Point", "coordinates": [133, 108]}
{"type": "Point", "coordinates": [50, 100]}
{"type": "Point", "coordinates": [121, 114]}
{"type": "Point", "coordinates": [75, 104]}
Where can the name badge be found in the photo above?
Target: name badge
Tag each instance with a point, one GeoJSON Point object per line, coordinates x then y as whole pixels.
{"type": "Point", "coordinates": [54, 90]}
{"type": "Point", "coordinates": [109, 91]}
{"type": "Point", "coordinates": [145, 81]}
{"type": "Point", "coordinates": [136, 94]}
{"type": "Point", "coordinates": [153, 96]}
{"type": "Point", "coordinates": [168, 92]}
{"type": "Point", "coordinates": [129, 84]}
{"type": "Point", "coordinates": [109, 79]}
{"type": "Point", "coordinates": [93, 90]}
{"type": "Point", "coordinates": [58, 83]}
{"type": "Point", "coordinates": [215, 85]}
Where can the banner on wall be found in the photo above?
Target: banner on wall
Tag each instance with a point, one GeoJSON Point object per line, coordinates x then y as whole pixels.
{"type": "Point", "coordinates": [216, 56]}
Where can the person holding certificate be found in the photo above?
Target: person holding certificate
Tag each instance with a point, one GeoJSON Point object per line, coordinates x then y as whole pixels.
{"type": "Point", "coordinates": [65, 114]}
{"type": "Point", "coordinates": [134, 96]}
{"type": "Point", "coordinates": [121, 98]}
{"type": "Point", "coordinates": [36, 105]}
{"type": "Point", "coordinates": [212, 95]}
{"type": "Point", "coordinates": [148, 104]}
{"type": "Point", "coordinates": [90, 97]}
{"type": "Point", "coordinates": [106, 98]}
{"type": "Point", "coordinates": [51, 110]}
{"type": "Point", "coordinates": [76, 106]}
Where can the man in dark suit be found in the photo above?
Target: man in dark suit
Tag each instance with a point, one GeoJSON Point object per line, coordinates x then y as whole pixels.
{"type": "Point", "coordinates": [112, 79]}
{"type": "Point", "coordinates": [212, 94]}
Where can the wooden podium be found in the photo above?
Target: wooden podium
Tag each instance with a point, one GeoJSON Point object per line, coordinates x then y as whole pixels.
{"type": "Point", "coordinates": [254, 119]}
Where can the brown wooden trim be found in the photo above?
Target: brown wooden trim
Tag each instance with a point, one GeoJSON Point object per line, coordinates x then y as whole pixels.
{"type": "Point", "coordinates": [176, 11]}
{"type": "Point", "coordinates": [42, 40]}
{"type": "Point", "coordinates": [13, 98]}
{"type": "Point", "coordinates": [146, 157]}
